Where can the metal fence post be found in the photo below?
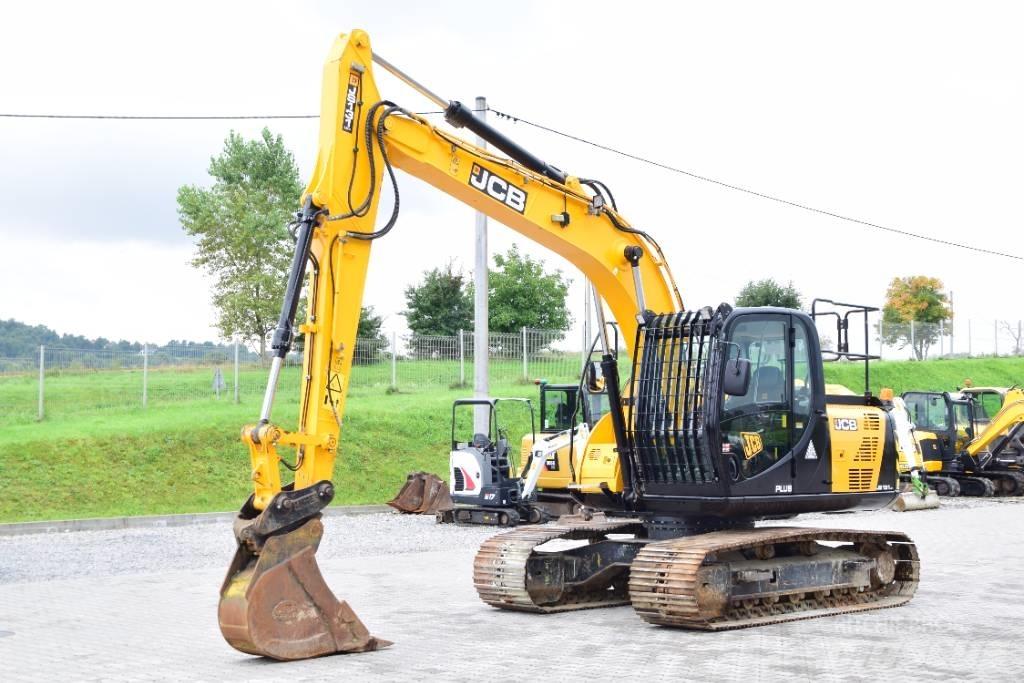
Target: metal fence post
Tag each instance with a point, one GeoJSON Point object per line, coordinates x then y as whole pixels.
{"type": "Point", "coordinates": [462, 359]}
{"type": "Point", "coordinates": [526, 362]}
{"type": "Point", "coordinates": [145, 375]}
{"type": "Point", "coordinates": [394, 360]}
{"type": "Point", "coordinates": [42, 379]}
{"type": "Point", "coordinates": [236, 371]}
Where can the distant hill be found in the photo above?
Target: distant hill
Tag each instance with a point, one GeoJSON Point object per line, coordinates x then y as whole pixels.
{"type": "Point", "coordinates": [18, 340]}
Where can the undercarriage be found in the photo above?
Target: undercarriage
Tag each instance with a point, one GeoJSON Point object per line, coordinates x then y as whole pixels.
{"type": "Point", "coordinates": [729, 578]}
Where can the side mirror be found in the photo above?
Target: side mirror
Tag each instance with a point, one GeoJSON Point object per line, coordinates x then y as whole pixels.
{"type": "Point", "coordinates": [737, 377]}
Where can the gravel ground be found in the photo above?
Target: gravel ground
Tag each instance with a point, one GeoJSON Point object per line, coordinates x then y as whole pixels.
{"type": "Point", "coordinates": [141, 605]}
{"type": "Point", "coordinates": [35, 557]}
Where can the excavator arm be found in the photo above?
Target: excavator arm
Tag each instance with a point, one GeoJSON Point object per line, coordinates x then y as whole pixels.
{"type": "Point", "coordinates": [1005, 422]}
{"type": "Point", "coordinates": [274, 601]}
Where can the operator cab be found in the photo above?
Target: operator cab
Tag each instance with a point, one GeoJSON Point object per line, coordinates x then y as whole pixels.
{"type": "Point", "coordinates": [951, 420]}
{"type": "Point", "coordinates": [563, 406]}
{"type": "Point", "coordinates": [728, 416]}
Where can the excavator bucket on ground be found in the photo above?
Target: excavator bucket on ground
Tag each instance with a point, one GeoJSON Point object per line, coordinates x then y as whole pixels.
{"type": "Point", "coordinates": [916, 495]}
{"type": "Point", "coordinates": [423, 494]}
{"type": "Point", "coordinates": [274, 601]}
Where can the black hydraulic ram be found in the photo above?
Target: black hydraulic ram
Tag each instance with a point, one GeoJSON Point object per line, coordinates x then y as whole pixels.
{"type": "Point", "coordinates": [284, 335]}
{"type": "Point", "coordinates": [461, 116]}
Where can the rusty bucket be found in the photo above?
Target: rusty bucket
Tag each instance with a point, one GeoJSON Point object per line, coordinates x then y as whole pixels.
{"type": "Point", "coordinates": [274, 601]}
{"type": "Point", "coordinates": [422, 493]}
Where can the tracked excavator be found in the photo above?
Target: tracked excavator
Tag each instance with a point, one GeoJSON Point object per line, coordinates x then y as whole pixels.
{"type": "Point", "coordinates": [724, 419]}
{"type": "Point", "coordinates": [961, 457]}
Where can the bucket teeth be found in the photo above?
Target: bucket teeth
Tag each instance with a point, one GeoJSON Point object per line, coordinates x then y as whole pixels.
{"type": "Point", "coordinates": [275, 602]}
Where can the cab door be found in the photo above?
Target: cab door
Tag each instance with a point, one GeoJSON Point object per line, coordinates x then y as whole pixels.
{"type": "Point", "coordinates": [766, 433]}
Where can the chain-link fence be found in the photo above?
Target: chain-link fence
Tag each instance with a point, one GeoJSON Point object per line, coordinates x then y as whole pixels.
{"type": "Point", "coordinates": [60, 382]}
{"type": "Point", "coordinates": [954, 339]}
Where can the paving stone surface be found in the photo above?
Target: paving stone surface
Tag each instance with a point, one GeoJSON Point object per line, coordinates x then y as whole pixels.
{"type": "Point", "coordinates": [141, 604]}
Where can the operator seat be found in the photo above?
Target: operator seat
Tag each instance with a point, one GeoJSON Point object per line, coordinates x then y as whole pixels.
{"type": "Point", "coordinates": [768, 385]}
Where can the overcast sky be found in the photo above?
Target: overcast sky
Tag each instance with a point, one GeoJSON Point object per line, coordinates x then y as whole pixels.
{"type": "Point", "coordinates": [903, 114]}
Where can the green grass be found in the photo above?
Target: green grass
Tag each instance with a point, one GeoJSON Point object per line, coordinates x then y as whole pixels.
{"type": "Point", "coordinates": [185, 456]}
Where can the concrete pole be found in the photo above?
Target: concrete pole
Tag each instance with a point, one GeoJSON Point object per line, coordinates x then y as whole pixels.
{"type": "Point", "coordinates": [942, 339]}
{"type": "Point", "coordinates": [481, 333]}
{"type": "Point", "coordinates": [526, 362]}
{"type": "Point", "coordinates": [587, 334]}
{"type": "Point", "coordinates": [995, 337]}
{"type": "Point", "coordinates": [394, 360]}
{"type": "Point", "coordinates": [881, 338]}
{"type": "Point", "coordinates": [913, 347]}
{"type": "Point", "coordinates": [952, 323]}
{"type": "Point", "coordinates": [236, 371]}
{"type": "Point", "coordinates": [42, 379]}
{"type": "Point", "coordinates": [462, 360]}
{"type": "Point", "coordinates": [145, 375]}
{"type": "Point", "coordinates": [970, 343]}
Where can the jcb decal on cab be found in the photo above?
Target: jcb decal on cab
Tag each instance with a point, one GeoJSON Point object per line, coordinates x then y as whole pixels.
{"type": "Point", "coordinates": [351, 97]}
{"type": "Point", "coordinates": [752, 444]}
{"type": "Point", "coordinates": [497, 188]}
{"type": "Point", "coordinates": [845, 424]}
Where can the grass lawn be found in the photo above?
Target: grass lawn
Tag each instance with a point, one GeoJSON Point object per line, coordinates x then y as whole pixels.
{"type": "Point", "coordinates": [184, 455]}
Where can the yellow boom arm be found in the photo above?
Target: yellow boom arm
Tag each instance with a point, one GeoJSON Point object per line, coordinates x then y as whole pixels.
{"type": "Point", "coordinates": [359, 137]}
{"type": "Point", "coordinates": [1011, 414]}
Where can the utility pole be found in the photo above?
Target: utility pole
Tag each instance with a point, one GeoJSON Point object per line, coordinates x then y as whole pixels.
{"type": "Point", "coordinates": [587, 334]}
{"type": "Point", "coordinates": [481, 333]}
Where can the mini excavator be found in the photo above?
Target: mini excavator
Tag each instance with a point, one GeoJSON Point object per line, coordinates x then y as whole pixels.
{"type": "Point", "coordinates": [723, 421]}
{"type": "Point", "coordinates": [963, 457]}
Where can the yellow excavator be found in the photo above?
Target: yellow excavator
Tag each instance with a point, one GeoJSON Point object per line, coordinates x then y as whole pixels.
{"type": "Point", "coordinates": [724, 419]}
{"type": "Point", "coordinates": [963, 456]}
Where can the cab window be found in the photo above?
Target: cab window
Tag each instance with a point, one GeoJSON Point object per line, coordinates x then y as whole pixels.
{"type": "Point", "coordinates": [928, 411]}
{"type": "Point", "coordinates": [557, 411]}
{"type": "Point", "coordinates": [756, 427]}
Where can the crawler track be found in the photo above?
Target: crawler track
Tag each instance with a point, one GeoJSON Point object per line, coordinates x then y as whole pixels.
{"type": "Point", "coordinates": [500, 568]}
{"type": "Point", "coordinates": [680, 582]}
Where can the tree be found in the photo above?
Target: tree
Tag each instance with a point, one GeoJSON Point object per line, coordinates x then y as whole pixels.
{"type": "Point", "coordinates": [240, 226]}
{"type": "Point", "coordinates": [1016, 333]}
{"type": "Point", "coordinates": [440, 304]}
{"type": "Point", "coordinates": [369, 338]}
{"type": "Point", "coordinates": [768, 292]}
{"type": "Point", "coordinates": [918, 299]}
{"type": "Point", "coordinates": [522, 294]}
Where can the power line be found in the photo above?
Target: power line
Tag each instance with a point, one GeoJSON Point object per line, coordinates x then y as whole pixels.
{"type": "Point", "coordinates": [755, 193]}
{"type": "Point", "coordinates": [120, 117]}
{"type": "Point", "coordinates": [174, 117]}
{"type": "Point", "coordinates": [548, 129]}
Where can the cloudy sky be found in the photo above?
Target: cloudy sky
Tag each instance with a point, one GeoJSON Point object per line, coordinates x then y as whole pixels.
{"type": "Point", "coordinates": [903, 114]}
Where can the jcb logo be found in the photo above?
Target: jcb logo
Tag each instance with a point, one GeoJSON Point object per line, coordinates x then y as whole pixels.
{"type": "Point", "coordinates": [845, 424]}
{"type": "Point", "coordinates": [752, 444]}
{"type": "Point", "coordinates": [351, 97]}
{"type": "Point", "coordinates": [497, 188]}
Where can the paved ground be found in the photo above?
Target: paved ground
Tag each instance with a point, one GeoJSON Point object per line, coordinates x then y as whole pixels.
{"type": "Point", "coordinates": [141, 604]}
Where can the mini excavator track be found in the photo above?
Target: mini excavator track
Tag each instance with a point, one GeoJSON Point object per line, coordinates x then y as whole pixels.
{"type": "Point", "coordinates": [739, 578]}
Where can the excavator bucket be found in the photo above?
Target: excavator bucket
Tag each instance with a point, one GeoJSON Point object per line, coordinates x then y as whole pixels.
{"type": "Point", "coordinates": [423, 494]}
{"type": "Point", "coordinates": [274, 601]}
{"type": "Point", "coordinates": [912, 498]}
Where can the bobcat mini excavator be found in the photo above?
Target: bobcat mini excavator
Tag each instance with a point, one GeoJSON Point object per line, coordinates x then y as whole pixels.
{"type": "Point", "coordinates": [724, 420]}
